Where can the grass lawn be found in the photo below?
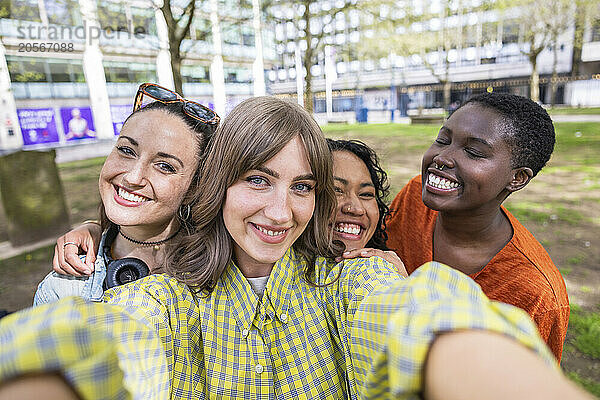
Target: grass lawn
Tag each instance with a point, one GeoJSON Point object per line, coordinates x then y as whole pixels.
{"type": "Point", "coordinates": [573, 110]}
{"type": "Point", "coordinates": [560, 207]}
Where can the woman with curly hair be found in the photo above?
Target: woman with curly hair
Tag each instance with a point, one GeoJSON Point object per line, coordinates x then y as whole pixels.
{"type": "Point", "coordinates": [361, 187]}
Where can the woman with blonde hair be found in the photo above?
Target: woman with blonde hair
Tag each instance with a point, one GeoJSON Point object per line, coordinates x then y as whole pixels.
{"type": "Point", "coordinates": [253, 304]}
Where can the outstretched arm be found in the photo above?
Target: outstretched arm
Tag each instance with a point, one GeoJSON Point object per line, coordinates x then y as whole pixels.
{"type": "Point", "coordinates": [47, 386]}
{"type": "Point", "coordinates": [485, 365]}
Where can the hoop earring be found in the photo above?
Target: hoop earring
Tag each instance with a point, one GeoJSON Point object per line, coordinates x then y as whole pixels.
{"type": "Point", "coordinates": [184, 212]}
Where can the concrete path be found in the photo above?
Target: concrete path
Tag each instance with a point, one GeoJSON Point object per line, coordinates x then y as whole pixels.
{"type": "Point", "coordinates": [100, 148]}
{"type": "Point", "coordinates": [8, 251]}
{"type": "Point", "coordinates": [576, 118]}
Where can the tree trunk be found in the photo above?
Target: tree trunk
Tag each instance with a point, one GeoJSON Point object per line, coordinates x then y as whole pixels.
{"type": "Point", "coordinates": [33, 197]}
{"type": "Point", "coordinates": [308, 93]}
{"type": "Point", "coordinates": [176, 70]}
{"type": "Point", "coordinates": [308, 57]}
{"type": "Point", "coordinates": [447, 93]}
{"type": "Point", "coordinates": [577, 41]}
{"type": "Point", "coordinates": [553, 80]}
{"type": "Point", "coordinates": [447, 85]}
{"type": "Point", "coordinates": [534, 89]}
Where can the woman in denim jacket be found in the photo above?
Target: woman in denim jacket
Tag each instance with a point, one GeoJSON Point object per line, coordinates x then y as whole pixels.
{"type": "Point", "coordinates": [144, 185]}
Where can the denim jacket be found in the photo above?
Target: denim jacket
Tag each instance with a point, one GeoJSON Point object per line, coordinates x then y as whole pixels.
{"type": "Point", "coordinates": [56, 286]}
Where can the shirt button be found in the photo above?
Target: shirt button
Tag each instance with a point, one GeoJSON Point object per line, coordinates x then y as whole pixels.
{"type": "Point", "coordinates": [258, 368]}
{"type": "Point", "coordinates": [283, 317]}
{"type": "Point", "coordinates": [245, 332]}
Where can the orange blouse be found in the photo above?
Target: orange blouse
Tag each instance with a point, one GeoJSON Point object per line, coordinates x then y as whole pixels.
{"type": "Point", "coordinates": [521, 274]}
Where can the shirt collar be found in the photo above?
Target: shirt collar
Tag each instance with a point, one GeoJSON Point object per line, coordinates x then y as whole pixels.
{"type": "Point", "coordinates": [244, 302]}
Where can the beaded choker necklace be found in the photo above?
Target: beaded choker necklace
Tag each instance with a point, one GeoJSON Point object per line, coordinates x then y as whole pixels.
{"type": "Point", "coordinates": [155, 244]}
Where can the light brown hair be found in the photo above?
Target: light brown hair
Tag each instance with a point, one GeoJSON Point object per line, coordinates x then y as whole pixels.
{"type": "Point", "coordinates": [254, 132]}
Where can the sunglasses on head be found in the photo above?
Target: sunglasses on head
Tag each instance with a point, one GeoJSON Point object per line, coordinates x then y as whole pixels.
{"type": "Point", "coordinates": [195, 110]}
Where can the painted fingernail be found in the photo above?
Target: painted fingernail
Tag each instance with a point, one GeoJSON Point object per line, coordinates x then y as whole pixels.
{"type": "Point", "coordinates": [346, 253]}
{"type": "Point", "coordinates": [364, 253]}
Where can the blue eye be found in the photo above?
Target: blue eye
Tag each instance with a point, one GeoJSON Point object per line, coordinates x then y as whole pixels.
{"type": "Point", "coordinates": [166, 167]}
{"type": "Point", "coordinates": [303, 187]}
{"type": "Point", "coordinates": [256, 180]}
{"type": "Point", "coordinates": [126, 150]}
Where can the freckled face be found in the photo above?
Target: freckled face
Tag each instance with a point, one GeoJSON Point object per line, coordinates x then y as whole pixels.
{"type": "Point", "coordinates": [268, 208]}
{"type": "Point", "coordinates": [357, 213]}
{"type": "Point", "coordinates": [145, 177]}
{"type": "Point", "coordinates": [475, 162]}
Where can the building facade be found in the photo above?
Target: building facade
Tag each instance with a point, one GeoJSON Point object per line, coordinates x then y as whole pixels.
{"type": "Point", "coordinates": [69, 69]}
{"type": "Point", "coordinates": [490, 56]}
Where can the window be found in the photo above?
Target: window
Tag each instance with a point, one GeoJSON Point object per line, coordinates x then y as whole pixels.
{"type": "Point", "coordinates": [112, 16]}
{"type": "Point", "coordinates": [247, 36]}
{"type": "Point", "coordinates": [25, 10]}
{"type": "Point", "coordinates": [596, 31]}
{"type": "Point", "coordinates": [63, 12]}
{"type": "Point", "coordinates": [510, 33]}
{"type": "Point", "coordinates": [123, 72]}
{"type": "Point", "coordinates": [194, 74]}
{"type": "Point", "coordinates": [230, 32]}
{"type": "Point", "coordinates": [59, 72]}
{"type": "Point", "coordinates": [237, 75]}
{"type": "Point", "coordinates": [202, 29]}
{"type": "Point", "coordinates": [143, 20]}
{"type": "Point", "coordinates": [489, 32]}
{"type": "Point", "coordinates": [27, 69]}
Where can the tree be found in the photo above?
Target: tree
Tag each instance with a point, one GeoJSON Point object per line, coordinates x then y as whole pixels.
{"type": "Point", "coordinates": [541, 22]}
{"type": "Point", "coordinates": [313, 25]}
{"type": "Point", "coordinates": [556, 24]}
{"type": "Point", "coordinates": [431, 32]}
{"type": "Point", "coordinates": [178, 27]}
{"type": "Point", "coordinates": [586, 11]}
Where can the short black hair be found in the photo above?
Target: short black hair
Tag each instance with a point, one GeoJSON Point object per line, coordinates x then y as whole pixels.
{"type": "Point", "coordinates": [529, 129]}
{"type": "Point", "coordinates": [379, 179]}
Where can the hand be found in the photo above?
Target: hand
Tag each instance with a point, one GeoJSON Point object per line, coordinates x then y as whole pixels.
{"type": "Point", "coordinates": [389, 256]}
{"type": "Point", "coordinates": [66, 259]}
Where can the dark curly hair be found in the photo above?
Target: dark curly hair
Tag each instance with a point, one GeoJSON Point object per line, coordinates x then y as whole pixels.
{"type": "Point", "coordinates": [379, 179]}
{"type": "Point", "coordinates": [529, 130]}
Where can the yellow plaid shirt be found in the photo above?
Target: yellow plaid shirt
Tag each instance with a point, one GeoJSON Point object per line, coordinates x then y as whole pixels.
{"type": "Point", "coordinates": [299, 341]}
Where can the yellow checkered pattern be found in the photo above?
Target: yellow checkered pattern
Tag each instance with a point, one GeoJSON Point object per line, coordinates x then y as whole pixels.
{"type": "Point", "coordinates": [101, 351]}
{"type": "Point", "coordinates": [364, 336]}
{"type": "Point", "coordinates": [394, 328]}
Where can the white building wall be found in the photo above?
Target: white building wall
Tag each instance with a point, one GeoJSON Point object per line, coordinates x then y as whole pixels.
{"type": "Point", "coordinates": [10, 131]}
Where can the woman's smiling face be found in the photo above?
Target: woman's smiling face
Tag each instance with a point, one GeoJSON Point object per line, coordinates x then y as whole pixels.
{"type": "Point", "coordinates": [148, 172]}
{"type": "Point", "coordinates": [357, 213]}
{"type": "Point", "coordinates": [469, 166]}
{"type": "Point", "coordinates": [268, 208]}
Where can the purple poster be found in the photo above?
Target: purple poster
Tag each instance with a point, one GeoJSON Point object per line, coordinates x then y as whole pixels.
{"type": "Point", "coordinates": [119, 114]}
{"type": "Point", "coordinates": [77, 123]}
{"type": "Point", "coordinates": [37, 125]}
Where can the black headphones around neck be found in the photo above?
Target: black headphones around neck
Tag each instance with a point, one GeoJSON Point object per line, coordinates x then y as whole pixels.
{"type": "Point", "coordinates": [123, 270]}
